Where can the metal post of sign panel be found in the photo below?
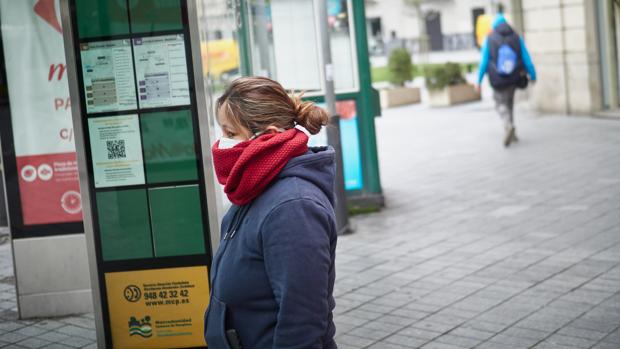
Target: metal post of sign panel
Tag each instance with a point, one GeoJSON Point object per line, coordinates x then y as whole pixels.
{"type": "Point", "coordinates": [76, 113]}
{"type": "Point", "coordinates": [3, 213]}
{"type": "Point", "coordinates": [333, 130]}
{"type": "Point", "coordinates": [205, 128]}
{"type": "Point", "coordinates": [138, 95]}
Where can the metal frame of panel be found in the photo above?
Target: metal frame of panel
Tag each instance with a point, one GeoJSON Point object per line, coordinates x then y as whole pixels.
{"type": "Point", "coordinates": [205, 181]}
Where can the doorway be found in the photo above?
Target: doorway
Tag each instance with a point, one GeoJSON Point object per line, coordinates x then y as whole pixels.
{"type": "Point", "coordinates": [376, 45]}
{"type": "Point", "coordinates": [433, 30]}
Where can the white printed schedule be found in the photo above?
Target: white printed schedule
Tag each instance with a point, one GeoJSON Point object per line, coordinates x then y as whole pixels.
{"type": "Point", "coordinates": [107, 69]}
{"type": "Point", "coordinates": [116, 150]}
{"type": "Point", "coordinates": [161, 71]}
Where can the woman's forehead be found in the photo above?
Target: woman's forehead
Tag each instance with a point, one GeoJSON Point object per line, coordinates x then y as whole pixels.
{"type": "Point", "coordinates": [223, 119]}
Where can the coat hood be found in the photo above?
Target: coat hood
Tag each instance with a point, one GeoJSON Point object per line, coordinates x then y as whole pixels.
{"type": "Point", "coordinates": [316, 166]}
{"type": "Point", "coordinates": [501, 26]}
{"type": "Point", "coordinates": [499, 19]}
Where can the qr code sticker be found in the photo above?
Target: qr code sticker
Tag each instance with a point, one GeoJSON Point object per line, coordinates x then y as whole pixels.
{"type": "Point", "coordinates": [116, 149]}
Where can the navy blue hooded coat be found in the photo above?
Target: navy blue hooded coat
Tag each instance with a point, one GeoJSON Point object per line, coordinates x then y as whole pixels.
{"type": "Point", "coordinates": [272, 277]}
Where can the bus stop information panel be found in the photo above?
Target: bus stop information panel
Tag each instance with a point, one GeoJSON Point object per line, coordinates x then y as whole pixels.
{"type": "Point", "coordinates": [133, 64]}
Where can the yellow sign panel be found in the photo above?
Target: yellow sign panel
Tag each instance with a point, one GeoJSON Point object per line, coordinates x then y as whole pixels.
{"type": "Point", "coordinates": [484, 27]}
{"type": "Point", "coordinates": [158, 308]}
{"type": "Point", "coordinates": [220, 56]}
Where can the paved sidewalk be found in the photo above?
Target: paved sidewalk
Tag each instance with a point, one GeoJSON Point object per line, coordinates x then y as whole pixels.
{"type": "Point", "coordinates": [486, 247]}
{"type": "Point", "coordinates": [479, 247]}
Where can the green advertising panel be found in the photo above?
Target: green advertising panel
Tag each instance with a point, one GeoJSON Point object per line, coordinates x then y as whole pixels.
{"type": "Point", "coordinates": [101, 18]}
{"type": "Point", "coordinates": [124, 224]}
{"type": "Point", "coordinates": [155, 15]}
{"type": "Point", "coordinates": [169, 146]}
{"type": "Point", "coordinates": [177, 221]}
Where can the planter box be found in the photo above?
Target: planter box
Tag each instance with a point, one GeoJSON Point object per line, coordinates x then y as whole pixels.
{"type": "Point", "coordinates": [453, 95]}
{"type": "Point", "coordinates": [392, 97]}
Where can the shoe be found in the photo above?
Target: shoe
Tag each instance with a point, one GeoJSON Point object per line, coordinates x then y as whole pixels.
{"type": "Point", "coordinates": [508, 138]}
{"type": "Point", "coordinates": [514, 136]}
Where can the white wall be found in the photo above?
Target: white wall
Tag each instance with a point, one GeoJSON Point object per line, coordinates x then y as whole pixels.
{"type": "Point", "coordinates": [561, 37]}
{"type": "Point", "coordinates": [456, 15]}
{"type": "Point", "coordinates": [395, 16]}
{"type": "Point", "coordinates": [52, 276]}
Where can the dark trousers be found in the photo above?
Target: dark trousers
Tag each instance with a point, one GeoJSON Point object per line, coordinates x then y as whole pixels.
{"type": "Point", "coordinates": [504, 104]}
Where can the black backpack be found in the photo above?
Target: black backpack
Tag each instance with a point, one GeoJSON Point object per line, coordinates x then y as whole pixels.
{"type": "Point", "coordinates": [505, 51]}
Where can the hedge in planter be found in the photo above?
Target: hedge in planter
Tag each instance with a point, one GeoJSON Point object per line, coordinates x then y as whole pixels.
{"type": "Point", "coordinates": [400, 71]}
{"type": "Point", "coordinates": [442, 76]}
{"type": "Point", "coordinates": [447, 85]}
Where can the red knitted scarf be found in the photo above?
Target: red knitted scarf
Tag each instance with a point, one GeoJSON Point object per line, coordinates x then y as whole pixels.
{"type": "Point", "coordinates": [248, 168]}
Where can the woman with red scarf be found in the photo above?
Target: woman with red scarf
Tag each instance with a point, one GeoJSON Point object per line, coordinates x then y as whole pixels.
{"type": "Point", "coordinates": [272, 277]}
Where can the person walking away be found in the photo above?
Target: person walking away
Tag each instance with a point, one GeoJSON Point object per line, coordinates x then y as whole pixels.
{"type": "Point", "coordinates": [506, 59]}
{"type": "Point", "coordinates": [273, 275]}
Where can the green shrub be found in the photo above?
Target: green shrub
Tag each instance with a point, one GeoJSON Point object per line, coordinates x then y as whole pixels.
{"type": "Point", "coordinates": [400, 67]}
{"type": "Point", "coordinates": [441, 76]}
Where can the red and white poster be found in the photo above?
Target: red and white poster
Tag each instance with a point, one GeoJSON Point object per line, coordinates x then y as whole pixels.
{"type": "Point", "coordinates": [40, 111]}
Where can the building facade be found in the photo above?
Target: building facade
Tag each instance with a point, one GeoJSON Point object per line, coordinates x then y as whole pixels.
{"type": "Point", "coordinates": [574, 44]}
{"type": "Point", "coordinates": [449, 24]}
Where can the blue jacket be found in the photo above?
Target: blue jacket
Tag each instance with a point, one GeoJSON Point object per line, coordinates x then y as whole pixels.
{"type": "Point", "coordinates": [486, 54]}
{"type": "Point", "coordinates": [272, 277]}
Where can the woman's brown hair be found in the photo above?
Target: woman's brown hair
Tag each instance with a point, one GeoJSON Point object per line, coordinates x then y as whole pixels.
{"type": "Point", "coordinates": [258, 102]}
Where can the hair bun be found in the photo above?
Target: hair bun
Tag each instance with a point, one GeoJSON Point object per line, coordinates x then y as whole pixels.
{"type": "Point", "coordinates": [310, 116]}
